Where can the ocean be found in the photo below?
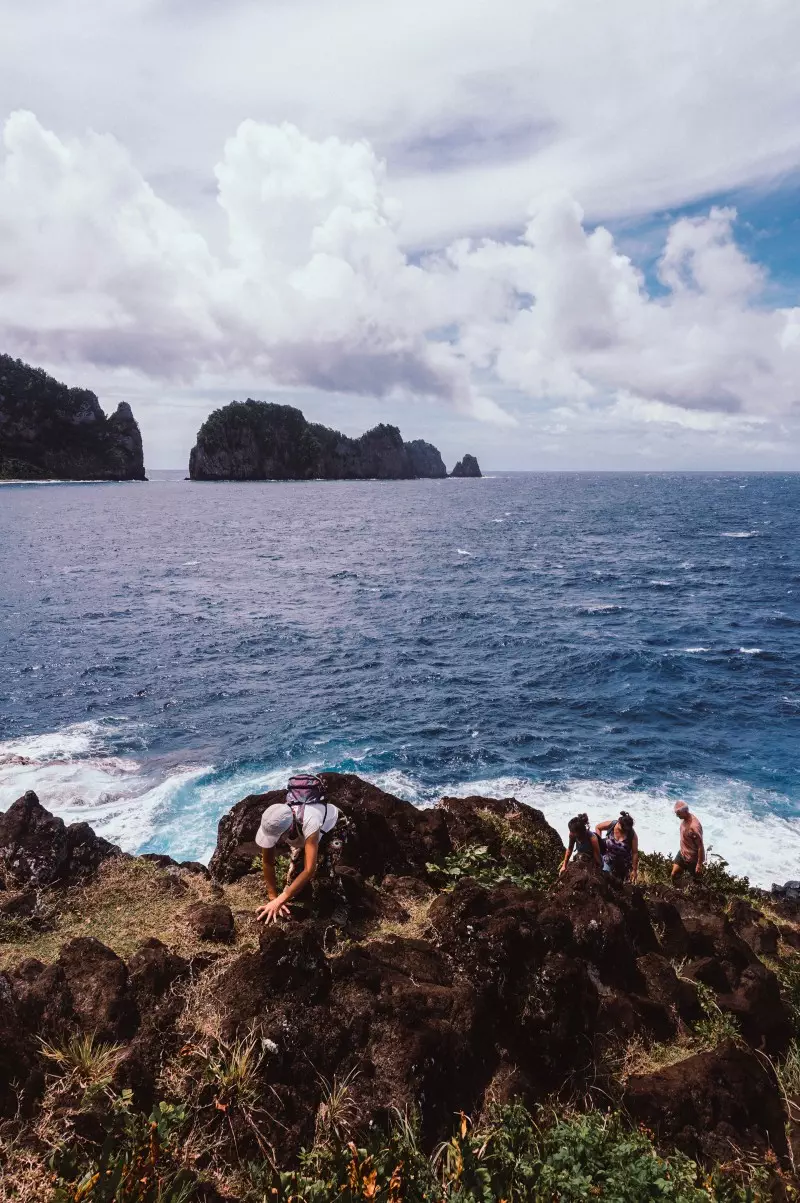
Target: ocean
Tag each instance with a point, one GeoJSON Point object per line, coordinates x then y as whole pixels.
{"type": "Point", "coordinates": [581, 641]}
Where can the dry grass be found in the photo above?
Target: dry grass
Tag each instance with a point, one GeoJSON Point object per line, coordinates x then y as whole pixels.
{"type": "Point", "coordinates": [412, 928]}
{"type": "Point", "coordinates": [639, 1057]}
{"type": "Point", "coordinates": [128, 901]}
{"type": "Point", "coordinates": [24, 1177]}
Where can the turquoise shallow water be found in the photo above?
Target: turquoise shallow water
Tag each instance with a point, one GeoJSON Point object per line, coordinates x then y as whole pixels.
{"type": "Point", "coordinates": [584, 641]}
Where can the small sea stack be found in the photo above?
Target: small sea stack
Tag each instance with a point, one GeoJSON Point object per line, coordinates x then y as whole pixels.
{"type": "Point", "coordinates": [468, 466]}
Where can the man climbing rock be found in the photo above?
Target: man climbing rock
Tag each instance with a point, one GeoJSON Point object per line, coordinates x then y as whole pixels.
{"type": "Point", "coordinates": [299, 823]}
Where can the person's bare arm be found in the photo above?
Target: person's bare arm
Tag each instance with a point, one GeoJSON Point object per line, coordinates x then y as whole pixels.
{"type": "Point", "coordinates": [271, 884]}
{"type": "Point", "coordinates": [277, 907]}
{"type": "Point", "coordinates": [601, 827]}
{"type": "Point", "coordinates": [596, 850]}
{"type": "Point", "coordinates": [567, 854]}
{"type": "Point", "coordinates": [701, 854]}
{"type": "Point", "coordinates": [634, 857]}
{"type": "Point", "coordinates": [268, 872]}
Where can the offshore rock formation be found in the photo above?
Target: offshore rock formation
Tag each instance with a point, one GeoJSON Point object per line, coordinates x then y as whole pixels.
{"type": "Point", "coordinates": [51, 432]}
{"type": "Point", "coordinates": [258, 440]}
{"type": "Point", "coordinates": [413, 974]}
{"type": "Point", "coordinates": [468, 466]}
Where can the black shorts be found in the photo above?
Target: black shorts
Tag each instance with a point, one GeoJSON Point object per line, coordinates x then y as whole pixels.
{"type": "Point", "coordinates": [689, 866]}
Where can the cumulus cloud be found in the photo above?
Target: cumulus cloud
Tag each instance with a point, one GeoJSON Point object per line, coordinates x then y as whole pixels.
{"type": "Point", "coordinates": [591, 328]}
{"type": "Point", "coordinates": [312, 287]}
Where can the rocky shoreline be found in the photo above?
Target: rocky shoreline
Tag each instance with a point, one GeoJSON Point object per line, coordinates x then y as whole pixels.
{"type": "Point", "coordinates": [440, 967]}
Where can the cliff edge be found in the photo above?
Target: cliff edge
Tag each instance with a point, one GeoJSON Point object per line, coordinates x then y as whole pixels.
{"type": "Point", "coordinates": [259, 440]}
{"type": "Point", "coordinates": [51, 432]}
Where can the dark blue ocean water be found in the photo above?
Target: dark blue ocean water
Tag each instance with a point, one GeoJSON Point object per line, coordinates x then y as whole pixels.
{"type": "Point", "coordinates": [584, 641]}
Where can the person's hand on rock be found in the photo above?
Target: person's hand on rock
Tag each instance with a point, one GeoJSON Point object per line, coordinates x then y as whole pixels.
{"type": "Point", "coordinates": [275, 909]}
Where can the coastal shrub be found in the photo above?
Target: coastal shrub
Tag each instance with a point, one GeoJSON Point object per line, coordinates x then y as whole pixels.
{"type": "Point", "coordinates": [139, 1161]}
{"type": "Point", "coordinates": [511, 1157]}
{"type": "Point", "coordinates": [655, 868]}
{"type": "Point", "coordinates": [716, 1025]}
{"type": "Point", "coordinates": [787, 971]}
{"type": "Point", "coordinates": [478, 863]}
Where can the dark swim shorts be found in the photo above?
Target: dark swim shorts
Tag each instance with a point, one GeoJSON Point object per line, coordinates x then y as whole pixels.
{"type": "Point", "coordinates": [690, 866]}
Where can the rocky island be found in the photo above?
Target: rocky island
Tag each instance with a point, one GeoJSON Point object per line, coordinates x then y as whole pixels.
{"type": "Point", "coordinates": [259, 440]}
{"type": "Point", "coordinates": [51, 432]}
{"type": "Point", "coordinates": [566, 1037]}
{"type": "Point", "coordinates": [468, 466]}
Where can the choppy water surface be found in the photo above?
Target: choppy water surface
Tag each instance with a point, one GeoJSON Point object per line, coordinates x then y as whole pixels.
{"type": "Point", "coordinates": [583, 641]}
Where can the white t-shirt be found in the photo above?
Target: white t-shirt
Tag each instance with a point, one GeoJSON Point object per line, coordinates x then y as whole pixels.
{"type": "Point", "coordinates": [277, 820]}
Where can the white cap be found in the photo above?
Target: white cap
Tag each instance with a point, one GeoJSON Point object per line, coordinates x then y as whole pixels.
{"type": "Point", "coordinates": [275, 820]}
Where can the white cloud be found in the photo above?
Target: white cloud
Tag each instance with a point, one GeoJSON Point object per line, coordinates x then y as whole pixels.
{"type": "Point", "coordinates": [478, 108]}
{"type": "Point", "coordinates": [313, 287]}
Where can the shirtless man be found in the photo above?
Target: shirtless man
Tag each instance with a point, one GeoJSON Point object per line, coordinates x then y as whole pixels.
{"type": "Point", "coordinates": [692, 855]}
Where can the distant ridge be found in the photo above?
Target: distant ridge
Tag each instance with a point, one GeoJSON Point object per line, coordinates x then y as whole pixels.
{"type": "Point", "coordinates": [49, 431]}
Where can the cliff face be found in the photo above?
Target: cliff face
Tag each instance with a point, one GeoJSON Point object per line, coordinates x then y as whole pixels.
{"type": "Point", "coordinates": [49, 431]}
{"type": "Point", "coordinates": [258, 440]}
{"type": "Point", "coordinates": [468, 466]}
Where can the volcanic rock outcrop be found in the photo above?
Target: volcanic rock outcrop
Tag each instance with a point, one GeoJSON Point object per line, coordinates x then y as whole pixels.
{"type": "Point", "coordinates": [438, 962]}
{"type": "Point", "coordinates": [49, 431]}
{"type": "Point", "coordinates": [468, 466]}
{"type": "Point", "coordinates": [259, 440]}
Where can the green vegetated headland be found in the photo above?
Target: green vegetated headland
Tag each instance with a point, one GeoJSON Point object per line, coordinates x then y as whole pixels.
{"type": "Point", "coordinates": [443, 1019]}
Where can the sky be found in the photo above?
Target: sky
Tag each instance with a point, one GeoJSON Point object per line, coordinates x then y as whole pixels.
{"type": "Point", "coordinates": [553, 233]}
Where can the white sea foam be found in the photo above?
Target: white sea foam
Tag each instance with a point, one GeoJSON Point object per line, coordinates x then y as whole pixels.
{"type": "Point", "coordinates": [739, 534]}
{"type": "Point", "coordinates": [177, 809]}
{"type": "Point", "coordinates": [77, 779]}
{"type": "Point", "coordinates": [750, 651]}
{"type": "Point", "coordinates": [693, 650]}
{"type": "Point", "coordinates": [462, 552]}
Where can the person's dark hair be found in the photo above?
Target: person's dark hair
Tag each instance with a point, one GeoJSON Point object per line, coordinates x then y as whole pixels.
{"type": "Point", "coordinates": [578, 826]}
{"type": "Point", "coordinates": [626, 822]}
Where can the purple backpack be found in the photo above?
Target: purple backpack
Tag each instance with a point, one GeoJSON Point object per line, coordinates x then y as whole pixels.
{"type": "Point", "coordinates": [303, 790]}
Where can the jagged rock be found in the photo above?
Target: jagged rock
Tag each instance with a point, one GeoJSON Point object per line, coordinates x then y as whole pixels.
{"type": "Point", "coordinates": [15, 1052]}
{"type": "Point", "coordinates": [99, 990]}
{"type": "Point", "coordinates": [376, 834]}
{"type": "Point", "coordinates": [468, 466]}
{"type": "Point", "coordinates": [664, 986]}
{"type": "Point", "coordinates": [761, 934]}
{"type": "Point", "coordinates": [210, 921]}
{"type": "Point", "coordinates": [757, 1005]}
{"type": "Point", "coordinates": [153, 969]}
{"type": "Point", "coordinates": [425, 459]}
{"type": "Point", "coordinates": [258, 440]}
{"type": "Point", "coordinates": [50, 431]}
{"type": "Point", "coordinates": [42, 994]}
{"type": "Point", "coordinates": [37, 849]}
{"type": "Point", "coordinates": [501, 989]}
{"type": "Point", "coordinates": [711, 1105]}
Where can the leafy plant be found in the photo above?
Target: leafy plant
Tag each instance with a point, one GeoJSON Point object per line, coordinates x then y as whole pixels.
{"type": "Point", "coordinates": [138, 1162]}
{"type": "Point", "coordinates": [716, 1025]}
{"type": "Point", "coordinates": [788, 974]}
{"type": "Point", "coordinates": [478, 863]}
